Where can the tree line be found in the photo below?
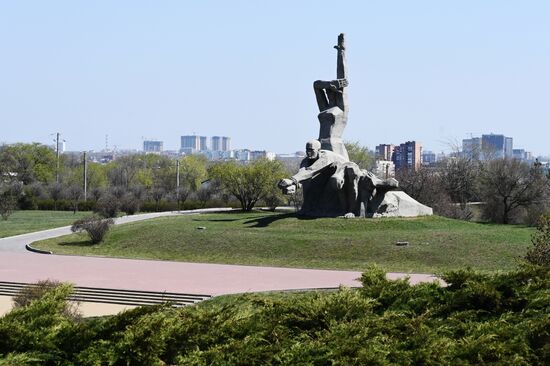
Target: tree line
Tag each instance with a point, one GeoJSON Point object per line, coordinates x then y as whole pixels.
{"type": "Point", "coordinates": [141, 182]}
{"type": "Point", "coordinates": [505, 190]}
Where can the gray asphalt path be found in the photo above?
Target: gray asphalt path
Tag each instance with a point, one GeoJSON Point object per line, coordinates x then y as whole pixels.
{"type": "Point", "coordinates": [17, 243]}
{"type": "Point", "coordinates": [19, 265]}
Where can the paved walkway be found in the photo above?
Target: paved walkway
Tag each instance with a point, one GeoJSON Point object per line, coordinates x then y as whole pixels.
{"type": "Point", "coordinates": [19, 265]}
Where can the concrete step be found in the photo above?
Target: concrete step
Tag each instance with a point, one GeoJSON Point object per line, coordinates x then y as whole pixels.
{"type": "Point", "coordinates": [115, 296]}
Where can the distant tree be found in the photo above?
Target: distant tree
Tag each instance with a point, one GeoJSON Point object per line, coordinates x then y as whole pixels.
{"type": "Point", "coordinates": [508, 184]}
{"type": "Point", "coordinates": [205, 193]}
{"type": "Point", "coordinates": [360, 155]}
{"type": "Point", "coordinates": [130, 204]}
{"type": "Point", "coordinates": [459, 176]}
{"type": "Point", "coordinates": [248, 183]}
{"type": "Point", "coordinates": [74, 194]}
{"type": "Point", "coordinates": [107, 205]}
{"type": "Point", "coordinates": [123, 171]}
{"type": "Point", "coordinates": [9, 194]}
{"type": "Point", "coordinates": [31, 194]}
{"type": "Point", "coordinates": [29, 162]}
{"type": "Point", "coordinates": [426, 186]}
{"type": "Point", "coordinates": [157, 194]}
{"type": "Point", "coordinates": [96, 193]}
{"type": "Point", "coordinates": [56, 193]}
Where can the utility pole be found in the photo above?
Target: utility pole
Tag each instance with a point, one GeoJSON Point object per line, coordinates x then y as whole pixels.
{"type": "Point", "coordinates": [178, 182]}
{"type": "Point", "coordinates": [178, 174]}
{"type": "Point", "coordinates": [85, 176]}
{"type": "Point", "coordinates": [57, 157]}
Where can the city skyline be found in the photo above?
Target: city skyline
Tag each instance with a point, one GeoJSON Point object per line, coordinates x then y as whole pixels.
{"type": "Point", "coordinates": [425, 71]}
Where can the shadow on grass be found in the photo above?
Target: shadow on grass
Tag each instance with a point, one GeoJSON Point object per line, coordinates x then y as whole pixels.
{"type": "Point", "coordinates": [267, 220]}
{"type": "Point", "coordinates": [85, 243]}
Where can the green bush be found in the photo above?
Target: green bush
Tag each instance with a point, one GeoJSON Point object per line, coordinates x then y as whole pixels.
{"type": "Point", "coordinates": [539, 254]}
{"type": "Point", "coordinates": [499, 319]}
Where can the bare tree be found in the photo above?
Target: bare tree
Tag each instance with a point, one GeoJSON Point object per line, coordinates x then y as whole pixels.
{"type": "Point", "coordinates": [74, 194]}
{"type": "Point", "coordinates": [458, 175]}
{"type": "Point", "coordinates": [508, 184]}
{"type": "Point", "coordinates": [56, 193]}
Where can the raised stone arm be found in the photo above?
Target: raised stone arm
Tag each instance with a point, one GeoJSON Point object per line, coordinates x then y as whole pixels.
{"type": "Point", "coordinates": [337, 84]}
{"type": "Point", "coordinates": [289, 185]}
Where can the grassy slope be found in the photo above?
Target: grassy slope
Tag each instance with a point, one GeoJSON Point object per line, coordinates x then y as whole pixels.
{"type": "Point", "coordinates": [259, 238]}
{"type": "Point", "coordinates": [22, 222]}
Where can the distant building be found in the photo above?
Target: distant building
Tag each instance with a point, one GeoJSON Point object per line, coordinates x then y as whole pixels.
{"type": "Point", "coordinates": [257, 154]}
{"type": "Point", "coordinates": [151, 146]}
{"type": "Point", "coordinates": [226, 143]}
{"type": "Point", "coordinates": [384, 151]}
{"type": "Point", "coordinates": [216, 143]}
{"type": "Point", "coordinates": [428, 158]}
{"type": "Point", "coordinates": [203, 146]}
{"type": "Point", "coordinates": [192, 144]}
{"type": "Point", "coordinates": [242, 155]}
{"type": "Point", "coordinates": [496, 146]}
{"type": "Point", "coordinates": [408, 155]}
{"type": "Point", "coordinates": [471, 148]}
{"type": "Point", "coordinates": [220, 143]}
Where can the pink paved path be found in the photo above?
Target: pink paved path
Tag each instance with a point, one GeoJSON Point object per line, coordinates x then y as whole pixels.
{"type": "Point", "coordinates": [17, 265]}
{"type": "Point", "coordinates": [193, 278]}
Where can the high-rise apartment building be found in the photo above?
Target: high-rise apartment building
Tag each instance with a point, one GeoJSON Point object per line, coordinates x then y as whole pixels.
{"type": "Point", "coordinates": [471, 148]}
{"type": "Point", "coordinates": [384, 151]}
{"type": "Point", "coordinates": [226, 143]}
{"type": "Point", "coordinates": [428, 158]}
{"type": "Point", "coordinates": [496, 146]}
{"type": "Point", "coordinates": [220, 143]}
{"type": "Point", "coordinates": [203, 146]}
{"type": "Point", "coordinates": [408, 155]}
{"type": "Point", "coordinates": [216, 143]}
{"type": "Point", "coordinates": [152, 146]}
{"type": "Point", "coordinates": [192, 143]}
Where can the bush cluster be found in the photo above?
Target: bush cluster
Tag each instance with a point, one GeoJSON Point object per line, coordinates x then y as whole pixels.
{"type": "Point", "coordinates": [95, 227]}
{"type": "Point", "coordinates": [478, 319]}
{"type": "Point", "coordinates": [539, 254]}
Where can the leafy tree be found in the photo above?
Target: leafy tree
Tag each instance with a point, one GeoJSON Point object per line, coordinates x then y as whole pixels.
{"type": "Point", "coordinates": [508, 184]}
{"type": "Point", "coordinates": [192, 173]}
{"type": "Point", "coordinates": [9, 194]}
{"type": "Point", "coordinates": [360, 155]}
{"type": "Point", "coordinates": [248, 183]}
{"type": "Point", "coordinates": [123, 171]}
{"type": "Point", "coordinates": [30, 162]}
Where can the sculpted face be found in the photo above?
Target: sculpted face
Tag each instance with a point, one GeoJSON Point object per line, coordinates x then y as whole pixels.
{"type": "Point", "coordinates": [312, 149]}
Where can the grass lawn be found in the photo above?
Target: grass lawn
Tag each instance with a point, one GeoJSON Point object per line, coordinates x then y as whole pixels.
{"type": "Point", "coordinates": [22, 222]}
{"type": "Point", "coordinates": [268, 239]}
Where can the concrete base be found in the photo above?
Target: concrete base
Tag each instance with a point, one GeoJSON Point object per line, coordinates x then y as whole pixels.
{"type": "Point", "coordinates": [396, 204]}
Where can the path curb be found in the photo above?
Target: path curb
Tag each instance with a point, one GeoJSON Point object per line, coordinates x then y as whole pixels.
{"type": "Point", "coordinates": [40, 251]}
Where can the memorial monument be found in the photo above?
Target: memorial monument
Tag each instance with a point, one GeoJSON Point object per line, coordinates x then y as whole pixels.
{"type": "Point", "coordinates": [332, 184]}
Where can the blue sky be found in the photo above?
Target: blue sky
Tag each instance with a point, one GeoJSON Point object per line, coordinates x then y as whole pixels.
{"type": "Point", "coordinates": [432, 71]}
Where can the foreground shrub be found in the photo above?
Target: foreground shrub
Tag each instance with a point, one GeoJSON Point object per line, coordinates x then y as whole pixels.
{"type": "Point", "coordinates": [37, 290]}
{"type": "Point", "coordinates": [95, 227]}
{"type": "Point", "coordinates": [498, 319]}
{"type": "Point", "coordinates": [539, 254]}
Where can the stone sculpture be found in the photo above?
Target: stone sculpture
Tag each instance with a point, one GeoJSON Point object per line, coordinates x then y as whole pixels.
{"type": "Point", "coordinates": [332, 184]}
